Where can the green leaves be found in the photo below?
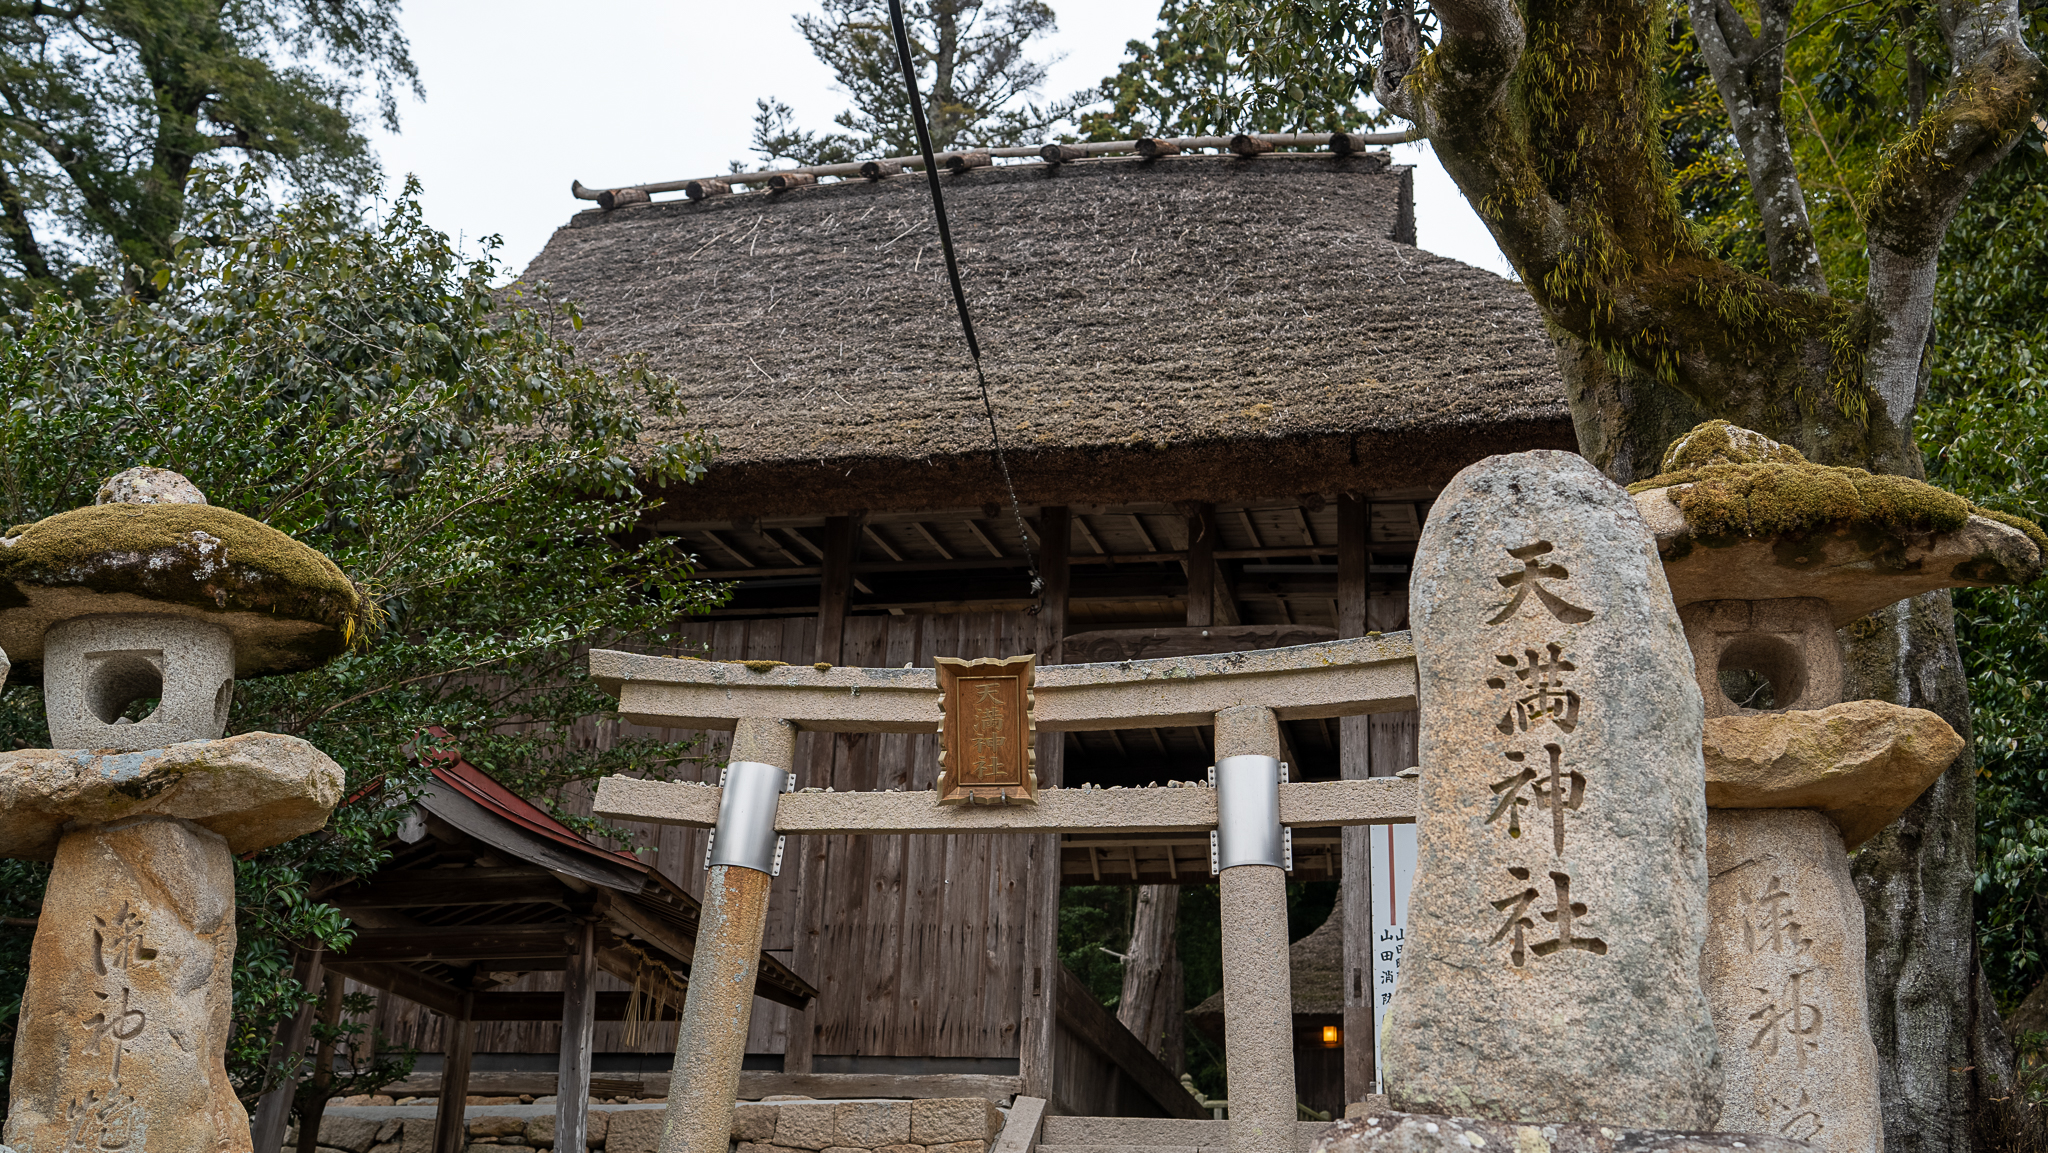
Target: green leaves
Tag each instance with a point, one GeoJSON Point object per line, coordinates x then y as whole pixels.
{"type": "Point", "coordinates": [358, 384]}
{"type": "Point", "coordinates": [109, 108]}
{"type": "Point", "coordinates": [972, 69]}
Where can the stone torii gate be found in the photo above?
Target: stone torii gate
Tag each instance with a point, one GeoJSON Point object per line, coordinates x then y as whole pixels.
{"type": "Point", "coordinates": [1243, 694]}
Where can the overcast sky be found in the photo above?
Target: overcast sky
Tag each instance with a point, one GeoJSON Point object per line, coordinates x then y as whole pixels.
{"type": "Point", "coordinates": [525, 96]}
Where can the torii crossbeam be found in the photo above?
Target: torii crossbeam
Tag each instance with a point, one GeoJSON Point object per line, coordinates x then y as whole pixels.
{"type": "Point", "coordinates": [1245, 695]}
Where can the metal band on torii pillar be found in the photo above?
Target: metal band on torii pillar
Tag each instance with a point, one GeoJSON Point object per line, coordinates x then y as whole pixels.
{"type": "Point", "coordinates": [711, 1039]}
{"type": "Point", "coordinates": [1258, 998]}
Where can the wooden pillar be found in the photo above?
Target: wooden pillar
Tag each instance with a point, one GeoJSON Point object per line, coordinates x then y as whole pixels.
{"type": "Point", "coordinates": [274, 1109]}
{"type": "Point", "coordinates": [458, 1038]}
{"type": "Point", "coordinates": [1055, 529]}
{"type": "Point", "coordinates": [1201, 564]}
{"type": "Point", "coordinates": [1354, 584]}
{"type": "Point", "coordinates": [323, 1066]}
{"type": "Point", "coordinates": [842, 546]}
{"type": "Point", "coordinates": [579, 1013]}
{"type": "Point", "coordinates": [1035, 1046]}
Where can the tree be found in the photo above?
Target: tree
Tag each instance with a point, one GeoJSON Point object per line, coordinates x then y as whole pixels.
{"type": "Point", "coordinates": [972, 71]}
{"type": "Point", "coordinates": [1186, 83]}
{"type": "Point", "coordinates": [1552, 116]}
{"type": "Point", "coordinates": [357, 385]}
{"type": "Point", "coordinates": [109, 107]}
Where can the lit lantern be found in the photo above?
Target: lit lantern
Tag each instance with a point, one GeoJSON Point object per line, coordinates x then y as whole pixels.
{"type": "Point", "coordinates": [1332, 1036]}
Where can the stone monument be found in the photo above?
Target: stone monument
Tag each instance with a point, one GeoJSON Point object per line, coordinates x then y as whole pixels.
{"type": "Point", "coordinates": [1767, 555]}
{"type": "Point", "coordinates": [1559, 901]}
{"type": "Point", "coordinates": [137, 614]}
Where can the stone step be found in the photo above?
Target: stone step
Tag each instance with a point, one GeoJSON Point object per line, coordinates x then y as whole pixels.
{"type": "Point", "coordinates": [1150, 1135]}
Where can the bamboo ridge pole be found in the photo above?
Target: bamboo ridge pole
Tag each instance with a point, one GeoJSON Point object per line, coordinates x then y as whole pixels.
{"type": "Point", "coordinates": [1338, 143]}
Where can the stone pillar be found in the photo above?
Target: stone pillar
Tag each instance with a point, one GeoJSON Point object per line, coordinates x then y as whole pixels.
{"type": "Point", "coordinates": [711, 1038]}
{"type": "Point", "coordinates": [1784, 974]}
{"type": "Point", "coordinates": [124, 1022]}
{"type": "Point", "coordinates": [1559, 902]}
{"type": "Point", "coordinates": [1258, 997]}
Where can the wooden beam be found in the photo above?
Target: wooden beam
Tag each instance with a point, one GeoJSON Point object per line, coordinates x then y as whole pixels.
{"type": "Point", "coordinates": [1088, 534]}
{"type": "Point", "coordinates": [754, 1085]}
{"type": "Point", "coordinates": [411, 984]}
{"type": "Point", "coordinates": [425, 888]}
{"type": "Point", "coordinates": [274, 1109]}
{"type": "Point", "coordinates": [745, 560]}
{"type": "Point", "coordinates": [1138, 524]}
{"type": "Point", "coordinates": [579, 1008]}
{"type": "Point", "coordinates": [888, 549]}
{"type": "Point", "coordinates": [931, 538]}
{"type": "Point", "coordinates": [496, 944]}
{"type": "Point", "coordinates": [1354, 530]}
{"type": "Point", "coordinates": [1201, 566]}
{"type": "Point", "coordinates": [1009, 563]}
{"type": "Point", "coordinates": [842, 539]}
{"type": "Point", "coordinates": [990, 545]}
{"type": "Point", "coordinates": [1037, 1046]}
{"type": "Point", "coordinates": [1354, 584]}
{"type": "Point", "coordinates": [458, 1040]}
{"type": "Point", "coordinates": [549, 1006]}
{"type": "Point", "coordinates": [1095, 1027]}
{"type": "Point", "coordinates": [1056, 532]}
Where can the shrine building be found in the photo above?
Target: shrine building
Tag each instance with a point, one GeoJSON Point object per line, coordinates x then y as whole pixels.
{"type": "Point", "coordinates": [1228, 390]}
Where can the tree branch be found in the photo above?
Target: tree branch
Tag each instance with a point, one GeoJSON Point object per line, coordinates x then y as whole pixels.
{"type": "Point", "coordinates": [20, 234]}
{"type": "Point", "coordinates": [1401, 41]}
{"type": "Point", "coordinates": [1749, 73]}
{"type": "Point", "coordinates": [1922, 180]}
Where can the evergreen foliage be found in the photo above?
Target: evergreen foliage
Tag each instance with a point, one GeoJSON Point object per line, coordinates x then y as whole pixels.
{"type": "Point", "coordinates": [972, 70]}
{"type": "Point", "coordinates": [356, 384]}
{"type": "Point", "coordinates": [110, 108]}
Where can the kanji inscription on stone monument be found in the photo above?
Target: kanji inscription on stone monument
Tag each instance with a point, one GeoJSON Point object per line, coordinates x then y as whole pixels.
{"type": "Point", "coordinates": [1558, 907]}
{"type": "Point", "coordinates": [986, 751]}
{"type": "Point", "coordinates": [1784, 972]}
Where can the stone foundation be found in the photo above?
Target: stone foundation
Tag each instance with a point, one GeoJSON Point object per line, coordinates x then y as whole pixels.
{"type": "Point", "coordinates": [938, 1125]}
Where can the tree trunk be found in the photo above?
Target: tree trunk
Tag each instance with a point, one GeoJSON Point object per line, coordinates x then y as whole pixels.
{"type": "Point", "coordinates": [1151, 1003]}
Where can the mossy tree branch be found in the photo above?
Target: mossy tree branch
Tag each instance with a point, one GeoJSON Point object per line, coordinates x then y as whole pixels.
{"type": "Point", "coordinates": [1923, 178]}
{"type": "Point", "coordinates": [1749, 73]}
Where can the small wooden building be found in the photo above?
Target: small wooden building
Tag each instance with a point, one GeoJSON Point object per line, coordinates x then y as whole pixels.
{"type": "Point", "coordinates": [1228, 390]}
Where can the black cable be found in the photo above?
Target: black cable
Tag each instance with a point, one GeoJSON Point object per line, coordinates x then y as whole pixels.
{"type": "Point", "coordinates": [931, 171]}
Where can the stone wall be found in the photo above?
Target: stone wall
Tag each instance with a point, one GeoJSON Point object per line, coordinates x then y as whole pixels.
{"type": "Point", "coordinates": [939, 1125]}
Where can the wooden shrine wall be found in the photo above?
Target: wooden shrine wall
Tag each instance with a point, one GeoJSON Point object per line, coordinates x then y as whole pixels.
{"type": "Point", "coordinates": [915, 943]}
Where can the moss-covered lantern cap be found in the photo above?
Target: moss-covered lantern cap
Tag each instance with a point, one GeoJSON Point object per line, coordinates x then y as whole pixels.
{"type": "Point", "coordinates": [153, 545]}
{"type": "Point", "coordinates": [1739, 516]}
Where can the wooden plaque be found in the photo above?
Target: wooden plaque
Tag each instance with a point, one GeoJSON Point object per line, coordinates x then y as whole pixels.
{"type": "Point", "coordinates": [987, 741]}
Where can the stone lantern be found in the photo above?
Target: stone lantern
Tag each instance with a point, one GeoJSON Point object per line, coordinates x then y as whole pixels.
{"type": "Point", "coordinates": [137, 615]}
{"type": "Point", "coordinates": [1767, 556]}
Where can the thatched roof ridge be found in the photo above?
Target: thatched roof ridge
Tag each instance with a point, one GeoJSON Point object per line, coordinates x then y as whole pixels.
{"type": "Point", "coordinates": [1192, 327]}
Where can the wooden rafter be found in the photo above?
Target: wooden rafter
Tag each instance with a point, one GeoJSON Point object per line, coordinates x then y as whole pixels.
{"type": "Point", "coordinates": [931, 538]}
{"type": "Point", "coordinates": [882, 543]}
{"type": "Point", "coordinates": [1139, 524]}
{"type": "Point", "coordinates": [1251, 530]}
{"type": "Point", "coordinates": [983, 537]}
{"type": "Point", "coordinates": [1088, 534]}
{"type": "Point", "coordinates": [730, 550]}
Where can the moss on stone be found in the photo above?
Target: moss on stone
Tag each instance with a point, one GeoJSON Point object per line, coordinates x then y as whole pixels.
{"type": "Point", "coordinates": [199, 556]}
{"type": "Point", "coordinates": [2021, 523]}
{"type": "Point", "coordinates": [1719, 442]}
{"type": "Point", "coordinates": [762, 666]}
{"type": "Point", "coordinates": [1732, 482]}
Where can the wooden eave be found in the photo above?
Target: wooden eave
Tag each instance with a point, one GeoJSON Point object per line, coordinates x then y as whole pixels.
{"type": "Point", "coordinates": [482, 888]}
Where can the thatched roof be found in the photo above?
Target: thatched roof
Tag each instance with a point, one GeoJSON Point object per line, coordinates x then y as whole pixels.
{"type": "Point", "coordinates": [1189, 328]}
{"type": "Point", "coordinates": [1315, 970]}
